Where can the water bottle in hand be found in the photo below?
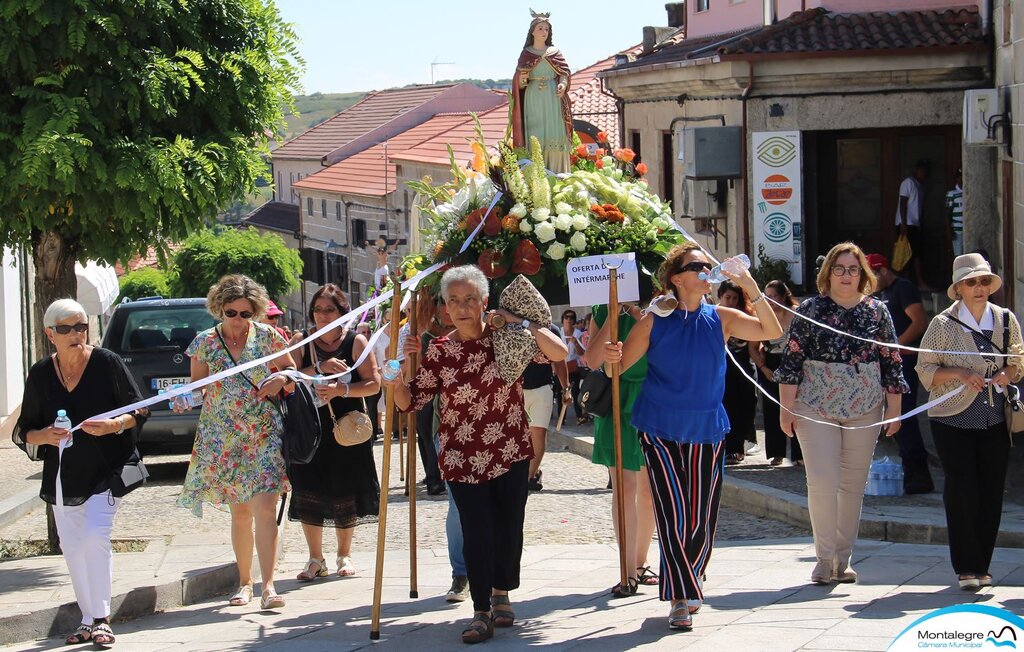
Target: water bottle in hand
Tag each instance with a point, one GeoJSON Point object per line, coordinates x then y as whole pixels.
{"type": "Point", "coordinates": [64, 422]}
{"type": "Point", "coordinates": [735, 265]}
{"type": "Point", "coordinates": [391, 370]}
{"type": "Point", "coordinates": [319, 382]}
{"type": "Point", "coordinates": [182, 401]}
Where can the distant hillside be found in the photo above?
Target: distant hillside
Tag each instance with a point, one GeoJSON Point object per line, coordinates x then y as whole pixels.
{"type": "Point", "coordinates": [314, 109]}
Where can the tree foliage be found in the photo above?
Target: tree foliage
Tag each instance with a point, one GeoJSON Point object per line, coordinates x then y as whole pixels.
{"type": "Point", "coordinates": [212, 253]}
{"type": "Point", "coordinates": [145, 282]}
{"type": "Point", "coordinates": [125, 125]}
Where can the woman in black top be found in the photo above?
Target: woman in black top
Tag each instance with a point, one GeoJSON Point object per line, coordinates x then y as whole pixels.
{"type": "Point", "coordinates": [740, 399]}
{"type": "Point", "coordinates": [83, 380]}
{"type": "Point", "coordinates": [338, 487]}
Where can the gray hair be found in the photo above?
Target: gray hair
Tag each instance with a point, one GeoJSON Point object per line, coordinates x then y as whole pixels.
{"type": "Point", "coordinates": [62, 309]}
{"type": "Point", "coordinates": [466, 274]}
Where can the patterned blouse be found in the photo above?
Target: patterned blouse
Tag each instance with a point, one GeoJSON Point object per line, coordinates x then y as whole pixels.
{"type": "Point", "coordinates": [483, 427]}
{"type": "Point", "coordinates": [869, 318]}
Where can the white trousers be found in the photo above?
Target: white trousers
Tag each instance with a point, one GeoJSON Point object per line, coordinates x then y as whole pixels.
{"type": "Point", "coordinates": [84, 532]}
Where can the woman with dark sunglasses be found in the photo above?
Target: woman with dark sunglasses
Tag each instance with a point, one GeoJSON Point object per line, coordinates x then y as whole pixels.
{"type": "Point", "coordinates": [969, 429]}
{"type": "Point", "coordinates": [82, 380]}
{"type": "Point", "coordinates": [680, 417]}
{"type": "Point", "coordinates": [236, 460]}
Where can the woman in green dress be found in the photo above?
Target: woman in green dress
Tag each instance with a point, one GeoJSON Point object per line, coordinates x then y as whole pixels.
{"type": "Point", "coordinates": [635, 484]}
{"type": "Point", "coordinates": [540, 102]}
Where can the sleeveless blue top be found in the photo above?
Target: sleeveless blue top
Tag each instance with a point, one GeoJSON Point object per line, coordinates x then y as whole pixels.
{"type": "Point", "coordinates": [681, 399]}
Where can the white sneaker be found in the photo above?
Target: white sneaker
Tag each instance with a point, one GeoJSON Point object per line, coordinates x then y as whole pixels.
{"type": "Point", "coordinates": [753, 448]}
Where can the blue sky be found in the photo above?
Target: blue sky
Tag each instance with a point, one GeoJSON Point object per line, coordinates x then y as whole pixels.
{"type": "Point", "coordinates": [373, 44]}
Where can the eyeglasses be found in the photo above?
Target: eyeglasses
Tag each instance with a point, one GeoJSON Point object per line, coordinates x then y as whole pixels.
{"type": "Point", "coordinates": [971, 282]}
{"type": "Point", "coordinates": [325, 311]}
{"type": "Point", "coordinates": [64, 329]}
{"type": "Point", "coordinates": [231, 314]}
{"type": "Point", "coordinates": [695, 266]}
{"type": "Point", "coordinates": [571, 318]}
{"type": "Point", "coordinates": [852, 270]}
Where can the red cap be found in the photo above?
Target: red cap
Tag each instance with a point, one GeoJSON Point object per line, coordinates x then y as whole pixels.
{"type": "Point", "coordinates": [273, 310]}
{"type": "Point", "coordinates": [877, 261]}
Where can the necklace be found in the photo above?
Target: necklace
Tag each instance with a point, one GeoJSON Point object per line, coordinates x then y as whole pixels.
{"type": "Point", "coordinates": [65, 379]}
{"type": "Point", "coordinates": [235, 341]}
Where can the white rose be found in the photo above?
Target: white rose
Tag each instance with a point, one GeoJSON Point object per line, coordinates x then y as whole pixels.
{"type": "Point", "coordinates": [545, 231]}
{"type": "Point", "coordinates": [541, 214]}
{"type": "Point", "coordinates": [563, 222]}
{"type": "Point", "coordinates": [525, 226]}
{"type": "Point", "coordinates": [556, 251]}
{"type": "Point", "coordinates": [578, 241]}
{"type": "Point", "coordinates": [562, 207]}
{"type": "Point", "coordinates": [580, 222]}
{"type": "Point", "coordinates": [608, 162]}
{"type": "Point", "coordinates": [518, 211]}
{"type": "Point", "coordinates": [584, 196]}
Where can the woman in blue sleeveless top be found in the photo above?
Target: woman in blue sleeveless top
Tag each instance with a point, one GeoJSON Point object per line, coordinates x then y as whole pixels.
{"type": "Point", "coordinates": [680, 417]}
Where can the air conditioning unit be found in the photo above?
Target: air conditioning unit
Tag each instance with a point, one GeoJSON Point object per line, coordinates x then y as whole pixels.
{"type": "Point", "coordinates": [704, 199]}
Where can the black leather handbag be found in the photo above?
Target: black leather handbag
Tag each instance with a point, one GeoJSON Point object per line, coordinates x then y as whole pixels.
{"type": "Point", "coordinates": [596, 393]}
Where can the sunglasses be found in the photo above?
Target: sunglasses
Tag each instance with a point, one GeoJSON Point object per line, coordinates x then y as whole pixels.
{"type": "Point", "coordinates": [64, 329]}
{"type": "Point", "coordinates": [852, 270]}
{"type": "Point", "coordinates": [231, 314]}
{"type": "Point", "coordinates": [695, 266]}
{"type": "Point", "coordinates": [969, 282]}
{"type": "Point", "coordinates": [324, 311]}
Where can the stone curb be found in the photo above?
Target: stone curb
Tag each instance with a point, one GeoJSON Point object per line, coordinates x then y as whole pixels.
{"type": "Point", "coordinates": [768, 502]}
{"type": "Point", "coordinates": [16, 506]}
{"type": "Point", "coordinates": [140, 601]}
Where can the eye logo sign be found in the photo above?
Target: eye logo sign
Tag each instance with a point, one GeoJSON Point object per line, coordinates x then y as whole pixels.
{"type": "Point", "coordinates": [975, 626]}
{"type": "Point", "coordinates": [777, 189]}
{"type": "Point", "coordinates": [777, 227]}
{"type": "Point", "coordinates": [776, 152]}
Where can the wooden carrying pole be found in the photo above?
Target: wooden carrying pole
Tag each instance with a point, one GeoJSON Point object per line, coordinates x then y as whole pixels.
{"type": "Point", "coordinates": [385, 467]}
{"type": "Point", "coordinates": [620, 505]}
{"type": "Point", "coordinates": [410, 484]}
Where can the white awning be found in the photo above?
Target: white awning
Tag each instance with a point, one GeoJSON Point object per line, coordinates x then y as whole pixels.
{"type": "Point", "coordinates": [97, 287]}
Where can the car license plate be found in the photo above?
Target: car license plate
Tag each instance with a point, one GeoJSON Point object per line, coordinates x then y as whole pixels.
{"type": "Point", "coordinates": [165, 383]}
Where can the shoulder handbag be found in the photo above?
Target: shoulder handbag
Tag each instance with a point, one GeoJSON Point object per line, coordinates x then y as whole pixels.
{"type": "Point", "coordinates": [129, 477]}
{"type": "Point", "coordinates": [299, 414]}
{"type": "Point", "coordinates": [354, 427]}
{"type": "Point", "coordinates": [596, 393]}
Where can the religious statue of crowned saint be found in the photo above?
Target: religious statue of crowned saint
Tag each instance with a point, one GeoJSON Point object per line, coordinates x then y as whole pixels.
{"type": "Point", "coordinates": [540, 96]}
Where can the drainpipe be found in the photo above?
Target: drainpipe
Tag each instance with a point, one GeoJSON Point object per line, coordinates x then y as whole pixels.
{"type": "Point", "coordinates": [744, 222]}
{"type": "Point", "coordinates": [302, 246]}
{"type": "Point", "coordinates": [620, 108]}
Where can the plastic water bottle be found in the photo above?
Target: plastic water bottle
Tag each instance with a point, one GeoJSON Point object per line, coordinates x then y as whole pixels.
{"type": "Point", "coordinates": [319, 382]}
{"type": "Point", "coordinates": [391, 370]}
{"type": "Point", "coordinates": [183, 401]}
{"type": "Point", "coordinates": [733, 265]}
{"type": "Point", "coordinates": [64, 422]}
{"type": "Point", "coordinates": [885, 478]}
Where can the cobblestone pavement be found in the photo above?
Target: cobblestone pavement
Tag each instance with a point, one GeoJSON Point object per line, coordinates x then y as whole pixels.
{"type": "Point", "coordinates": [574, 507]}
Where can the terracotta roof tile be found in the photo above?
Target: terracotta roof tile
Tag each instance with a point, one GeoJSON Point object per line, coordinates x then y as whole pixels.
{"type": "Point", "coordinates": [373, 111]}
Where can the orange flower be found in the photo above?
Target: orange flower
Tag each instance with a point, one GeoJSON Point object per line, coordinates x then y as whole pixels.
{"type": "Point", "coordinates": [510, 224]}
{"type": "Point", "coordinates": [599, 164]}
{"type": "Point", "coordinates": [479, 163]}
{"type": "Point", "coordinates": [438, 248]}
{"type": "Point", "coordinates": [625, 154]}
{"type": "Point", "coordinates": [582, 151]}
{"type": "Point", "coordinates": [641, 169]}
{"type": "Point", "coordinates": [602, 136]}
{"type": "Point", "coordinates": [600, 152]}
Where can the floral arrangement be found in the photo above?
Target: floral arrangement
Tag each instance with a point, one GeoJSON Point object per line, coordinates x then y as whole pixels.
{"type": "Point", "coordinates": [602, 206]}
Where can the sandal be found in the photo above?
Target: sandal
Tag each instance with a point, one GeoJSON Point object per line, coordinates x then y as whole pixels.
{"type": "Point", "coordinates": [502, 617]}
{"type": "Point", "coordinates": [679, 618]}
{"type": "Point", "coordinates": [630, 589]}
{"type": "Point", "coordinates": [733, 458]}
{"type": "Point", "coordinates": [308, 574]}
{"type": "Point", "coordinates": [695, 605]}
{"type": "Point", "coordinates": [242, 596]}
{"type": "Point", "coordinates": [271, 600]}
{"type": "Point", "coordinates": [646, 576]}
{"type": "Point", "coordinates": [345, 566]}
{"type": "Point", "coordinates": [102, 635]}
{"type": "Point", "coordinates": [81, 635]}
{"type": "Point", "coordinates": [480, 628]}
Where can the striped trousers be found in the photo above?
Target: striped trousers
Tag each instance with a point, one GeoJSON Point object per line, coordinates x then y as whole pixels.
{"type": "Point", "coordinates": [686, 484]}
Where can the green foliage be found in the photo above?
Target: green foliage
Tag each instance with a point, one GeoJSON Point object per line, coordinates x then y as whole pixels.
{"type": "Point", "coordinates": [769, 269]}
{"type": "Point", "coordinates": [125, 125]}
{"type": "Point", "coordinates": [145, 282]}
{"type": "Point", "coordinates": [210, 254]}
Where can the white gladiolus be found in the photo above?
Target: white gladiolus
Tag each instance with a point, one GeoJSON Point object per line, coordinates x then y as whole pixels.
{"type": "Point", "coordinates": [578, 241]}
{"type": "Point", "coordinates": [608, 162]}
{"type": "Point", "coordinates": [556, 251]}
{"type": "Point", "coordinates": [562, 207]}
{"type": "Point", "coordinates": [580, 222]}
{"type": "Point", "coordinates": [518, 211]}
{"type": "Point", "coordinates": [563, 222]}
{"type": "Point", "coordinates": [525, 226]}
{"type": "Point", "coordinates": [545, 231]}
{"type": "Point", "coordinates": [541, 214]}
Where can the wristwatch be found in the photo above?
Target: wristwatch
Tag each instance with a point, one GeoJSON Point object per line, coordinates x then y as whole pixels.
{"type": "Point", "coordinates": [526, 324]}
{"type": "Point", "coordinates": [497, 321]}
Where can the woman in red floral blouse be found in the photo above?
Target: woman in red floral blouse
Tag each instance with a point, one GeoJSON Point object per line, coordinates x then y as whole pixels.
{"type": "Point", "coordinates": [484, 439]}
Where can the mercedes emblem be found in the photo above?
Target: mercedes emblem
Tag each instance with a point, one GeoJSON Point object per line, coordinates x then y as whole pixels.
{"type": "Point", "coordinates": [178, 358]}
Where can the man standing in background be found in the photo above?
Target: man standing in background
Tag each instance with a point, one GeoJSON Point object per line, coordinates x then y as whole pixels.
{"type": "Point", "coordinates": [908, 216]}
{"type": "Point", "coordinates": [955, 206]}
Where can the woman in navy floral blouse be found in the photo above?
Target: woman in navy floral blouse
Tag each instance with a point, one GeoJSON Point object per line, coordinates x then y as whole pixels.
{"type": "Point", "coordinates": [484, 439]}
{"type": "Point", "coordinates": [846, 384]}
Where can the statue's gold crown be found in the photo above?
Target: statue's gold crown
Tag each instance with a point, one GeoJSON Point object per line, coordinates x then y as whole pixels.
{"type": "Point", "coordinates": [543, 15]}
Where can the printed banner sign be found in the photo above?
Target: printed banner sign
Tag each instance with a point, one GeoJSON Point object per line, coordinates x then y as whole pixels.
{"type": "Point", "coordinates": [588, 279]}
{"type": "Point", "coordinates": [778, 209]}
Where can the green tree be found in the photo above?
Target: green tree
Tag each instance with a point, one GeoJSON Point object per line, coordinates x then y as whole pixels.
{"type": "Point", "coordinates": [145, 282]}
{"type": "Point", "coordinates": [212, 253]}
{"type": "Point", "coordinates": [125, 125]}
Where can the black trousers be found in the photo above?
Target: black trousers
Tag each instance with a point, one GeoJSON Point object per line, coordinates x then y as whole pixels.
{"type": "Point", "coordinates": [974, 462]}
{"type": "Point", "coordinates": [775, 440]}
{"type": "Point", "coordinates": [908, 437]}
{"type": "Point", "coordinates": [492, 515]}
{"type": "Point", "coordinates": [425, 442]}
{"type": "Point", "coordinates": [373, 412]}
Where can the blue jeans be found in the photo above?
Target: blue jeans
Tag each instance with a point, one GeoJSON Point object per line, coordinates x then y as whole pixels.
{"type": "Point", "coordinates": [453, 529]}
